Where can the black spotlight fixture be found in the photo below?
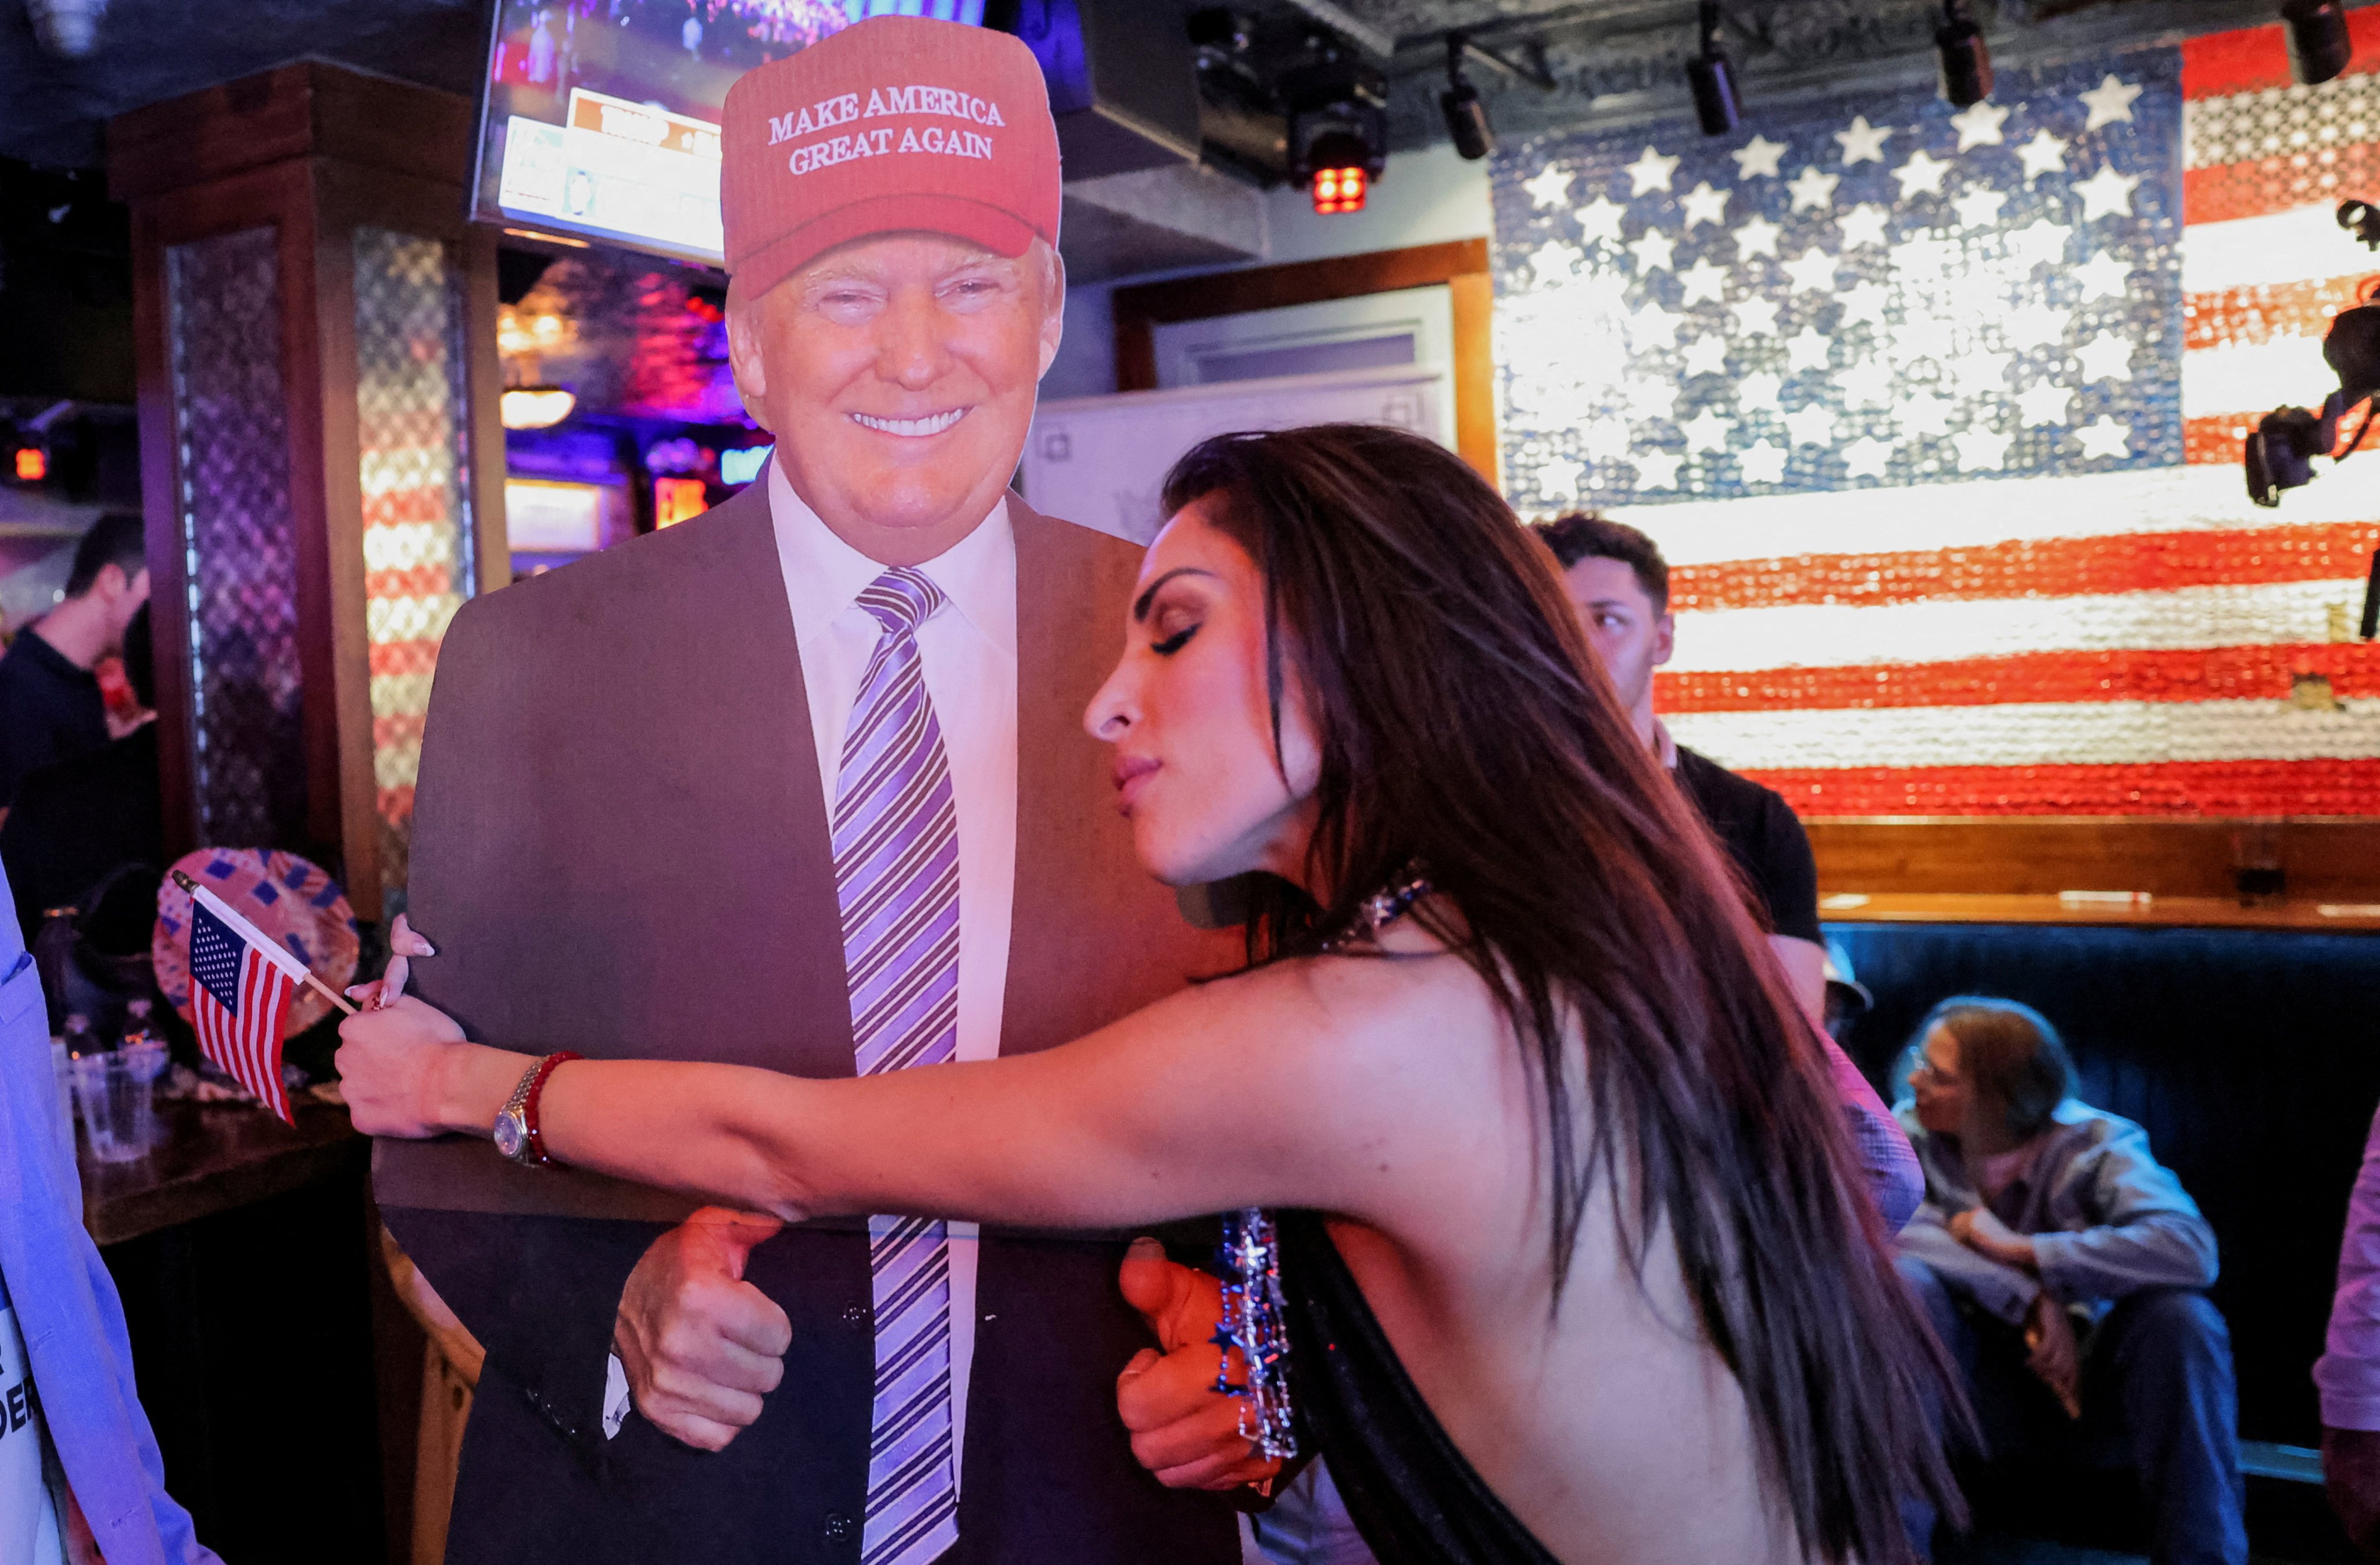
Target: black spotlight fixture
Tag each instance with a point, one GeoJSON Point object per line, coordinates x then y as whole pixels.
{"type": "Point", "coordinates": [1712, 77]}
{"type": "Point", "coordinates": [2319, 46]}
{"type": "Point", "coordinates": [1466, 114]}
{"type": "Point", "coordinates": [1966, 58]}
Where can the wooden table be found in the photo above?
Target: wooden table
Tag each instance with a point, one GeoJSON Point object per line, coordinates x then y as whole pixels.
{"type": "Point", "coordinates": [213, 1158]}
{"type": "Point", "coordinates": [2206, 912]}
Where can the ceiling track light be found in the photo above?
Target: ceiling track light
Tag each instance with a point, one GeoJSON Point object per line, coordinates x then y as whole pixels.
{"type": "Point", "coordinates": [1466, 113]}
{"type": "Point", "coordinates": [1712, 77]}
{"type": "Point", "coordinates": [2319, 44]}
{"type": "Point", "coordinates": [1966, 58]}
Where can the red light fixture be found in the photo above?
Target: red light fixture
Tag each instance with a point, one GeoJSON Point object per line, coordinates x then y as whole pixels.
{"type": "Point", "coordinates": [32, 464]}
{"type": "Point", "coordinates": [1341, 189]}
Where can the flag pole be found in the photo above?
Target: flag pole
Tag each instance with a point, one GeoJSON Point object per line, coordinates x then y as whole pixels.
{"type": "Point", "coordinates": [273, 950]}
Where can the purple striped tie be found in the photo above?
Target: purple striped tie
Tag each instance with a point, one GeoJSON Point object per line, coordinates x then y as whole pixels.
{"type": "Point", "coordinates": [896, 870]}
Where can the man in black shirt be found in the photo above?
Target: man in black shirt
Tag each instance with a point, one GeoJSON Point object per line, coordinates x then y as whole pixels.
{"type": "Point", "coordinates": [50, 704]}
{"type": "Point", "coordinates": [1616, 576]}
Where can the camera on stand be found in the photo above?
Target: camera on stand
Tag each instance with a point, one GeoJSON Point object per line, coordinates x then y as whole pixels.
{"type": "Point", "coordinates": [2281, 449]}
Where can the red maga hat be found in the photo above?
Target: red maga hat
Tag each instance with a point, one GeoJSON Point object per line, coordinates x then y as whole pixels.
{"type": "Point", "coordinates": [894, 123]}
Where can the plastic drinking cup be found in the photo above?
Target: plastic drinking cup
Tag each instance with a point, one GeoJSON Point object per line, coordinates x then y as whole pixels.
{"type": "Point", "coordinates": [116, 1106]}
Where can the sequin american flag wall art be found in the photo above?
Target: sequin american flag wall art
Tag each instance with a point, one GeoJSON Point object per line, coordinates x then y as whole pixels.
{"type": "Point", "coordinates": [1937, 415]}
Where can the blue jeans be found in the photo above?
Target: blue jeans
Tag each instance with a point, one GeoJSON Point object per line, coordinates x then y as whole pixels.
{"type": "Point", "coordinates": [2157, 1395]}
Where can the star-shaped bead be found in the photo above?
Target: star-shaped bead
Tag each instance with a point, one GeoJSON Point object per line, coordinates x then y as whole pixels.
{"type": "Point", "coordinates": [2105, 438]}
{"type": "Point", "coordinates": [1922, 412]}
{"type": "Point", "coordinates": [2043, 403]}
{"type": "Point", "coordinates": [1706, 356]}
{"type": "Point", "coordinates": [1557, 477]}
{"type": "Point", "coordinates": [1922, 172]}
{"type": "Point", "coordinates": [1979, 209]}
{"type": "Point", "coordinates": [1866, 301]}
{"type": "Point", "coordinates": [1867, 383]}
{"type": "Point", "coordinates": [2105, 357]}
{"type": "Point", "coordinates": [1979, 126]}
{"type": "Point", "coordinates": [1865, 458]}
{"type": "Point", "coordinates": [1555, 261]}
{"type": "Point", "coordinates": [2106, 193]}
{"type": "Point", "coordinates": [1706, 431]}
{"type": "Point", "coordinates": [1550, 187]}
{"type": "Point", "coordinates": [2044, 154]}
{"type": "Point", "coordinates": [1703, 281]}
{"type": "Point", "coordinates": [2109, 102]}
{"type": "Point", "coordinates": [1598, 221]}
{"type": "Point", "coordinates": [1813, 271]}
{"type": "Point", "coordinates": [1982, 373]}
{"type": "Point", "coordinates": [1755, 316]}
{"type": "Point", "coordinates": [1981, 451]}
{"type": "Point", "coordinates": [1657, 469]}
{"type": "Point", "coordinates": [1650, 173]}
{"type": "Point", "coordinates": [1862, 142]}
{"type": "Point", "coordinates": [1812, 425]}
{"type": "Point", "coordinates": [1806, 349]}
{"type": "Point", "coordinates": [1763, 462]}
{"type": "Point", "coordinates": [1863, 224]}
{"type": "Point", "coordinates": [2036, 325]}
{"type": "Point", "coordinates": [1652, 250]}
{"type": "Point", "coordinates": [1814, 190]}
{"type": "Point", "coordinates": [2103, 276]}
{"type": "Point", "coordinates": [2038, 241]}
{"type": "Point", "coordinates": [1759, 391]}
{"type": "Point", "coordinates": [1757, 236]}
{"type": "Point", "coordinates": [1653, 326]}
{"type": "Point", "coordinates": [1703, 204]}
{"type": "Point", "coordinates": [1757, 157]}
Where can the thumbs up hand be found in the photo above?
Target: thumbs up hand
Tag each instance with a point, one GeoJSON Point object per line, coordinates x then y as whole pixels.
{"type": "Point", "coordinates": [1183, 1429]}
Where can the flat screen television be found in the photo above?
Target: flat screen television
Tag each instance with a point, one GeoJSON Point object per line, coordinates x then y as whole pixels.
{"type": "Point", "coordinates": [601, 117]}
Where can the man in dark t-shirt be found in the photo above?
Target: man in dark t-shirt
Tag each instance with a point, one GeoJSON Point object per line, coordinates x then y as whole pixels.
{"type": "Point", "coordinates": [1621, 584]}
{"type": "Point", "coordinates": [50, 704]}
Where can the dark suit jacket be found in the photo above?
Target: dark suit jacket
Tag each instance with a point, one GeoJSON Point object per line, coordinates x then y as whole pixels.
{"type": "Point", "coordinates": [621, 848]}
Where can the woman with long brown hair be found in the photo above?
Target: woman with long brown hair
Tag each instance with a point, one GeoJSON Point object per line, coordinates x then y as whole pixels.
{"type": "Point", "coordinates": [1575, 1261]}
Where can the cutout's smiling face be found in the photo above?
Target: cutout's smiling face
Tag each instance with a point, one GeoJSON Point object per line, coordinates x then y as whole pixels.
{"type": "Point", "coordinates": [898, 373]}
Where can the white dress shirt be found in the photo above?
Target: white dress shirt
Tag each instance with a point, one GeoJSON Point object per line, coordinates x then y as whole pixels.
{"type": "Point", "coordinates": [969, 649]}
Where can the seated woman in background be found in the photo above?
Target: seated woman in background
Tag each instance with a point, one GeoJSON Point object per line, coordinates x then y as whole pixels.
{"type": "Point", "coordinates": [2065, 1269]}
{"type": "Point", "coordinates": [1577, 1258]}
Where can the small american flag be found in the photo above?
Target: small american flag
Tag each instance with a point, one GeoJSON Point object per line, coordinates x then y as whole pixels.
{"type": "Point", "coordinates": [237, 1004]}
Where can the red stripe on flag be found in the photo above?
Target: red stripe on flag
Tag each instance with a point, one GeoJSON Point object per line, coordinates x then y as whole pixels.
{"type": "Point", "coordinates": [2229, 317]}
{"type": "Point", "coordinates": [2191, 674]}
{"type": "Point", "coordinates": [2171, 787]}
{"type": "Point", "coordinates": [2046, 568]}
{"type": "Point", "coordinates": [2251, 59]}
{"type": "Point", "coordinates": [2321, 175]}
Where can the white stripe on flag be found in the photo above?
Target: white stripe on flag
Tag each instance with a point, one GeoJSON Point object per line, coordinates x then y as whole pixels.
{"type": "Point", "coordinates": [2027, 734]}
{"type": "Point", "coordinates": [2304, 244]}
{"type": "Point", "coordinates": [1943, 629]}
{"type": "Point", "coordinates": [2255, 377]}
{"type": "Point", "coordinates": [1952, 516]}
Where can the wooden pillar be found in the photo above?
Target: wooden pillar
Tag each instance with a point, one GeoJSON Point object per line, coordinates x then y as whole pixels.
{"type": "Point", "coordinates": [322, 463]}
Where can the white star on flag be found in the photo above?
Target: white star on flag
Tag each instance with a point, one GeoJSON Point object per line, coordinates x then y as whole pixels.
{"type": "Point", "coordinates": [1550, 187]}
{"type": "Point", "coordinates": [1755, 316]}
{"type": "Point", "coordinates": [1922, 172]}
{"type": "Point", "coordinates": [1814, 190]}
{"type": "Point", "coordinates": [1813, 271]}
{"type": "Point", "coordinates": [1598, 220]}
{"type": "Point", "coordinates": [1706, 431]}
{"type": "Point", "coordinates": [1764, 461]}
{"type": "Point", "coordinates": [1657, 469]}
{"type": "Point", "coordinates": [1806, 349]}
{"type": "Point", "coordinates": [1926, 261]}
{"type": "Point", "coordinates": [1651, 398]}
{"type": "Point", "coordinates": [1812, 425]}
{"type": "Point", "coordinates": [1706, 356]}
{"type": "Point", "coordinates": [2105, 357]}
{"type": "Point", "coordinates": [1555, 261]}
{"type": "Point", "coordinates": [2106, 193]}
{"type": "Point", "coordinates": [1922, 412]}
{"type": "Point", "coordinates": [1759, 391]}
{"type": "Point", "coordinates": [1979, 126]}
{"type": "Point", "coordinates": [1982, 373]}
{"type": "Point", "coordinates": [2103, 276]}
{"type": "Point", "coordinates": [1865, 458]}
{"type": "Point", "coordinates": [1924, 336]}
{"type": "Point", "coordinates": [1703, 281]}
{"type": "Point", "coordinates": [2035, 325]}
{"type": "Point", "coordinates": [1863, 224]}
{"type": "Point", "coordinates": [1604, 439]}
{"type": "Point", "coordinates": [1652, 250]}
{"type": "Point", "coordinates": [1757, 236]}
{"type": "Point", "coordinates": [1867, 383]}
{"type": "Point", "coordinates": [1981, 451]}
{"type": "Point", "coordinates": [1866, 301]}
{"type": "Point", "coordinates": [2038, 241]}
{"type": "Point", "coordinates": [2043, 403]}
{"type": "Point", "coordinates": [1654, 327]}
{"type": "Point", "coordinates": [1979, 209]}
{"type": "Point", "coordinates": [1650, 173]}
{"type": "Point", "coordinates": [2044, 154]}
{"type": "Point", "coordinates": [1862, 142]}
{"type": "Point", "coordinates": [2105, 438]}
{"type": "Point", "coordinates": [1558, 477]}
{"type": "Point", "coordinates": [1757, 156]}
{"type": "Point", "coordinates": [2111, 100]}
{"type": "Point", "coordinates": [1703, 204]}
